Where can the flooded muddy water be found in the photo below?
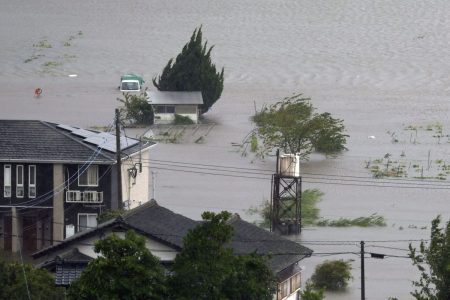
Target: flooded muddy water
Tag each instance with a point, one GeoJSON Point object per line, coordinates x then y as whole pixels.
{"type": "Point", "coordinates": [383, 67]}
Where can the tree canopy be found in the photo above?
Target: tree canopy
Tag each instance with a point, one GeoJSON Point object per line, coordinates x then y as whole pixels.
{"type": "Point", "coordinates": [332, 275]}
{"type": "Point", "coordinates": [193, 70]}
{"type": "Point", "coordinates": [293, 126]}
{"type": "Point", "coordinates": [207, 269]}
{"type": "Point", "coordinates": [19, 281]}
{"type": "Point", "coordinates": [309, 292]}
{"type": "Point", "coordinates": [136, 109]}
{"type": "Point", "coordinates": [126, 270]}
{"type": "Point", "coordinates": [433, 261]}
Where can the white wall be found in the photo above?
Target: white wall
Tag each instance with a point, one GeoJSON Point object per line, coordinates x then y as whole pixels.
{"type": "Point", "coordinates": [136, 189]}
{"type": "Point", "coordinates": [86, 246]}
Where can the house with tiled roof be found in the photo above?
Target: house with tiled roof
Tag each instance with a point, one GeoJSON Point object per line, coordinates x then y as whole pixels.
{"type": "Point", "coordinates": [164, 231]}
{"type": "Point", "coordinates": [56, 179]}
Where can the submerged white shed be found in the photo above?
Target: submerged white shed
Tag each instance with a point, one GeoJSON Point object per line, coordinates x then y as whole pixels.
{"type": "Point", "coordinates": [167, 104]}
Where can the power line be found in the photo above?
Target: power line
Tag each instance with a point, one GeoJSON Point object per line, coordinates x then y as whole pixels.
{"type": "Point", "coordinates": [321, 176]}
{"type": "Point", "coordinates": [317, 180]}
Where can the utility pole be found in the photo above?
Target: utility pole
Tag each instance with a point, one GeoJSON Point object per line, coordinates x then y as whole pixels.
{"type": "Point", "coordinates": [119, 162]}
{"type": "Point", "coordinates": [363, 288]}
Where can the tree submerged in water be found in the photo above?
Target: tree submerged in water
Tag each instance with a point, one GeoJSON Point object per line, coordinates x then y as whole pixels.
{"type": "Point", "coordinates": [293, 126]}
{"type": "Point", "coordinates": [193, 70]}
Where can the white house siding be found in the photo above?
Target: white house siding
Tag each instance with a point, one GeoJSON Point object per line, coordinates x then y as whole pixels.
{"type": "Point", "coordinates": [86, 247]}
{"type": "Point", "coordinates": [163, 252]}
{"type": "Point", "coordinates": [190, 111]}
{"type": "Point", "coordinates": [136, 189]}
{"type": "Point", "coordinates": [164, 118]}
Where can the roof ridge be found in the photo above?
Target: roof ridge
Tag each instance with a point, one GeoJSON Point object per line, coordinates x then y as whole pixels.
{"type": "Point", "coordinates": [234, 218]}
{"type": "Point", "coordinates": [137, 209]}
{"type": "Point", "coordinates": [74, 139]}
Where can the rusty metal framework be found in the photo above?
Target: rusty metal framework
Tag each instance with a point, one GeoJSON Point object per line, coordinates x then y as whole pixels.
{"type": "Point", "coordinates": [286, 204]}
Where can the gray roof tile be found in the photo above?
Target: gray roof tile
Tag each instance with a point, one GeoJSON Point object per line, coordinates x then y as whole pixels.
{"type": "Point", "coordinates": [39, 141]}
{"type": "Point", "coordinates": [170, 228]}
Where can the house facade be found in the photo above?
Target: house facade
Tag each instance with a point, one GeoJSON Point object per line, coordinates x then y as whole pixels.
{"type": "Point", "coordinates": [164, 231]}
{"type": "Point", "coordinates": [168, 104]}
{"type": "Point", "coordinates": [56, 179]}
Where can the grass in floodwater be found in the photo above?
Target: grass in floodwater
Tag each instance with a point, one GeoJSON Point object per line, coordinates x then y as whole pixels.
{"type": "Point", "coordinates": [370, 221]}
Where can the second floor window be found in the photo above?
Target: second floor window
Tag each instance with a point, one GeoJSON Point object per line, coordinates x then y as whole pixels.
{"type": "Point", "coordinates": [19, 181]}
{"type": "Point", "coordinates": [7, 181]}
{"type": "Point", "coordinates": [88, 176]}
{"type": "Point", "coordinates": [32, 181]}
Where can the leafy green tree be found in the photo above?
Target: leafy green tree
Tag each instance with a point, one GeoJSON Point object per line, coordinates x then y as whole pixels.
{"type": "Point", "coordinates": [433, 261]}
{"type": "Point", "coordinates": [19, 281]}
{"type": "Point", "coordinates": [136, 109]}
{"type": "Point", "coordinates": [309, 292]}
{"type": "Point", "coordinates": [332, 275]}
{"type": "Point", "coordinates": [293, 125]}
{"type": "Point", "coordinates": [251, 279]}
{"type": "Point", "coordinates": [110, 214]}
{"type": "Point", "coordinates": [126, 270]}
{"type": "Point", "coordinates": [193, 70]}
{"type": "Point", "coordinates": [206, 269]}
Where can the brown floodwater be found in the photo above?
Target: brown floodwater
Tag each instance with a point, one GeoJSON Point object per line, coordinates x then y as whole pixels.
{"type": "Point", "coordinates": [380, 66]}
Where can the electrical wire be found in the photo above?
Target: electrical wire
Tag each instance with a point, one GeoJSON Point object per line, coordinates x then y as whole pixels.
{"type": "Point", "coordinates": [311, 176]}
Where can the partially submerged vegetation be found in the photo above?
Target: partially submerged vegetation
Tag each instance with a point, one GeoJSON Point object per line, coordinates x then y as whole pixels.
{"type": "Point", "coordinates": [332, 275]}
{"type": "Point", "coordinates": [311, 214]}
{"type": "Point", "coordinates": [51, 51]}
{"type": "Point", "coordinates": [390, 165]}
{"type": "Point", "coordinates": [372, 220]}
{"type": "Point", "coordinates": [293, 125]}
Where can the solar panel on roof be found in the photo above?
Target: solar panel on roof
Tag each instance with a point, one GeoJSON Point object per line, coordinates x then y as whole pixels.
{"type": "Point", "coordinates": [124, 141]}
{"type": "Point", "coordinates": [107, 141]}
{"type": "Point", "coordinates": [103, 140]}
{"type": "Point", "coordinates": [84, 133]}
{"type": "Point", "coordinates": [67, 127]}
{"type": "Point", "coordinates": [97, 140]}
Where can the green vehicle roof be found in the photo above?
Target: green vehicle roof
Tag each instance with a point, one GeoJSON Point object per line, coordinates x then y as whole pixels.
{"type": "Point", "coordinates": [132, 77]}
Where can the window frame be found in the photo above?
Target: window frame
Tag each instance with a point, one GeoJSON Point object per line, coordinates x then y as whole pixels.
{"type": "Point", "coordinates": [164, 109]}
{"type": "Point", "coordinates": [32, 186]}
{"type": "Point", "coordinates": [5, 186]}
{"type": "Point", "coordinates": [21, 185]}
{"type": "Point", "coordinates": [87, 215]}
{"type": "Point", "coordinates": [86, 173]}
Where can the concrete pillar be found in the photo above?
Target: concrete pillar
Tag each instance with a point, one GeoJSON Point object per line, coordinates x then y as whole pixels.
{"type": "Point", "coordinates": [15, 232]}
{"type": "Point", "coordinates": [58, 203]}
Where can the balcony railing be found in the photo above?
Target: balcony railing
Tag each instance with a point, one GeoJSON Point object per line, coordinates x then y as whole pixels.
{"type": "Point", "coordinates": [84, 197]}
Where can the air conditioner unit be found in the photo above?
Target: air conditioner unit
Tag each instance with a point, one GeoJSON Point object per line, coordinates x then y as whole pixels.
{"type": "Point", "coordinates": [92, 196]}
{"type": "Point", "coordinates": [73, 196]}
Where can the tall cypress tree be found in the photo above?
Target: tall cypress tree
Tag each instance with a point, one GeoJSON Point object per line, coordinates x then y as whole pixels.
{"type": "Point", "coordinates": [193, 71]}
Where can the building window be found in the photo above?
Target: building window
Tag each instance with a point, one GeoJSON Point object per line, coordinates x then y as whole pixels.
{"type": "Point", "coordinates": [7, 181]}
{"type": "Point", "coordinates": [31, 181]}
{"type": "Point", "coordinates": [19, 181]}
{"type": "Point", "coordinates": [89, 176]}
{"type": "Point", "coordinates": [284, 289]}
{"type": "Point", "coordinates": [87, 221]}
{"type": "Point", "coordinates": [165, 109]}
{"type": "Point", "coordinates": [295, 282]}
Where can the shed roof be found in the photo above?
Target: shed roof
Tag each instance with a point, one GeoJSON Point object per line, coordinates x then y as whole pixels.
{"type": "Point", "coordinates": [174, 98]}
